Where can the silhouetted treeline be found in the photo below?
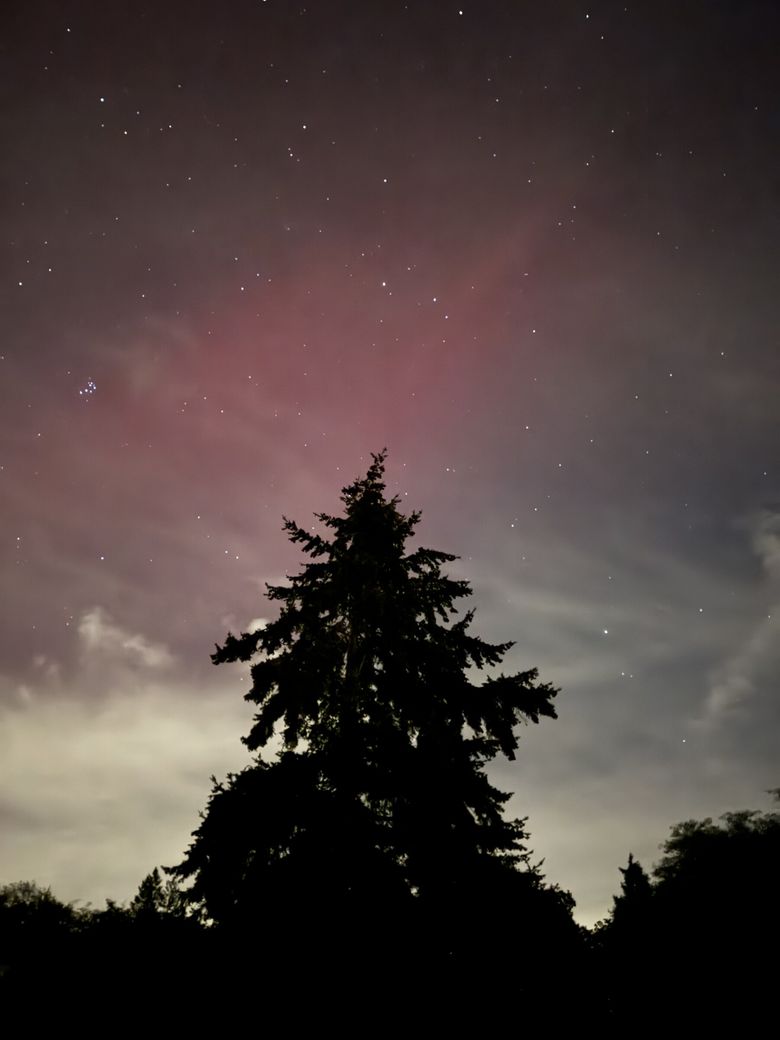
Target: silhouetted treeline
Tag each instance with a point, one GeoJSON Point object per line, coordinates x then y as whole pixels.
{"type": "Point", "coordinates": [690, 945]}
{"type": "Point", "coordinates": [695, 944]}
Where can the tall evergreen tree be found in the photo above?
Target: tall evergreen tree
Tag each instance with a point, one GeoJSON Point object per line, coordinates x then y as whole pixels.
{"type": "Point", "coordinates": [628, 944]}
{"type": "Point", "coordinates": [377, 808]}
{"type": "Point", "coordinates": [633, 907]}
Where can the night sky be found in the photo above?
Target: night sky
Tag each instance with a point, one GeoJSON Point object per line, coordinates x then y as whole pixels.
{"type": "Point", "coordinates": [529, 247]}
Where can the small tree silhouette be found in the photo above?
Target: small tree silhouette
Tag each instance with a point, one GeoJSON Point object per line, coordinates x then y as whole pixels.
{"type": "Point", "coordinates": [157, 898]}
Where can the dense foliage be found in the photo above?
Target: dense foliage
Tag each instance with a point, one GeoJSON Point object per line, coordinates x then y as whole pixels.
{"type": "Point", "coordinates": [375, 824]}
{"type": "Point", "coordinates": [691, 942]}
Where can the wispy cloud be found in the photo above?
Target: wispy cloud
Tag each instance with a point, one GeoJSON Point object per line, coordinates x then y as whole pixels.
{"type": "Point", "coordinates": [103, 770]}
{"type": "Point", "coordinates": [101, 637]}
{"type": "Point", "coordinates": [736, 679]}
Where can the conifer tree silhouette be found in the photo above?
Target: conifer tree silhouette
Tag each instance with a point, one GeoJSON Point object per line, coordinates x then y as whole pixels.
{"type": "Point", "coordinates": [377, 809]}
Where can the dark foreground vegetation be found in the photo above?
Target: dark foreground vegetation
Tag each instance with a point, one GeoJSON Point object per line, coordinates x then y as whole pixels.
{"type": "Point", "coordinates": [364, 876]}
{"type": "Point", "coordinates": [691, 946]}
